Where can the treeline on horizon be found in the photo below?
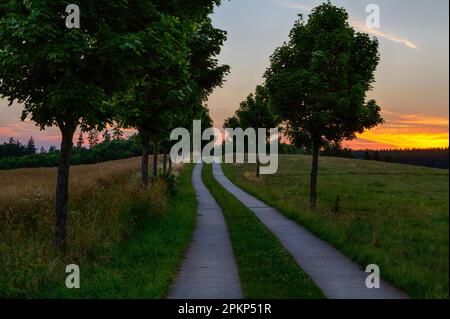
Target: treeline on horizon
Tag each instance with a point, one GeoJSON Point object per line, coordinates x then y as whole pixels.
{"type": "Point", "coordinates": [427, 157]}
{"type": "Point", "coordinates": [14, 154]}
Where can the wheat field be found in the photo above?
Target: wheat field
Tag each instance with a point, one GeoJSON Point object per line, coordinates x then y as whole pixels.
{"type": "Point", "coordinates": [105, 202]}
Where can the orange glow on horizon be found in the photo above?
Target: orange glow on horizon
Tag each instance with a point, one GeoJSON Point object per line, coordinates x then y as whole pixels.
{"type": "Point", "coordinates": [374, 140]}
{"type": "Point", "coordinates": [400, 131]}
{"type": "Point", "coordinates": [405, 131]}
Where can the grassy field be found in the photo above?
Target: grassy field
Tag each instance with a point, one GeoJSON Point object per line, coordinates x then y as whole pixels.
{"type": "Point", "coordinates": [128, 243]}
{"type": "Point", "coordinates": [392, 215]}
{"type": "Point", "coordinates": [266, 269]}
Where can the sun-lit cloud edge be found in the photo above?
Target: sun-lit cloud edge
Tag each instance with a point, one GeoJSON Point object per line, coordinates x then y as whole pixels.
{"type": "Point", "coordinates": [357, 24]}
{"type": "Point", "coordinates": [362, 27]}
{"type": "Point", "coordinates": [292, 5]}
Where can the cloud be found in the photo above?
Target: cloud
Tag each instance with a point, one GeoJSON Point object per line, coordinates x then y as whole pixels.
{"type": "Point", "coordinates": [415, 120]}
{"type": "Point", "coordinates": [363, 144]}
{"type": "Point", "coordinates": [405, 131]}
{"type": "Point", "coordinates": [361, 26]}
{"type": "Point", "coordinates": [24, 130]}
{"type": "Point", "coordinates": [358, 24]}
{"type": "Point", "coordinates": [293, 5]}
{"type": "Point", "coordinates": [378, 139]}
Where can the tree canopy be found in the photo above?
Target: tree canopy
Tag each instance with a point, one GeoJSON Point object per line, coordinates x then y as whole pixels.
{"type": "Point", "coordinates": [179, 71]}
{"type": "Point", "coordinates": [319, 79]}
{"type": "Point", "coordinates": [254, 112]}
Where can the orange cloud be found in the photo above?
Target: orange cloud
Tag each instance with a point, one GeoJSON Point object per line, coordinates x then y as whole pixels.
{"type": "Point", "coordinates": [405, 131]}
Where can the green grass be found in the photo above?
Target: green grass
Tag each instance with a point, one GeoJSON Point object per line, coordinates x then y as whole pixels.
{"type": "Point", "coordinates": [392, 215]}
{"type": "Point", "coordinates": [266, 269]}
{"type": "Point", "coordinates": [145, 265]}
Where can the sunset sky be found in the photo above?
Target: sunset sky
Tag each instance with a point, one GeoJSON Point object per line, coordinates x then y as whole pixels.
{"type": "Point", "coordinates": [411, 83]}
{"type": "Point", "coordinates": [412, 79]}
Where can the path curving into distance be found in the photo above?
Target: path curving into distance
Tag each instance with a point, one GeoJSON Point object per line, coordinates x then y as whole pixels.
{"type": "Point", "coordinates": [334, 273]}
{"type": "Point", "coordinates": [209, 270]}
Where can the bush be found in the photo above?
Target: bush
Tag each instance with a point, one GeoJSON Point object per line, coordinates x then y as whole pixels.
{"type": "Point", "coordinates": [171, 182]}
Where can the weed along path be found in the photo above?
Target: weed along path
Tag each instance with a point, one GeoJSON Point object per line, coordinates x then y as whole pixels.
{"type": "Point", "coordinates": [334, 273]}
{"type": "Point", "coordinates": [209, 270]}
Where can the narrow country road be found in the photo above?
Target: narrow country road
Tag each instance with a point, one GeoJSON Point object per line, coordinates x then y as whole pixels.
{"type": "Point", "coordinates": [334, 273]}
{"type": "Point", "coordinates": [209, 270]}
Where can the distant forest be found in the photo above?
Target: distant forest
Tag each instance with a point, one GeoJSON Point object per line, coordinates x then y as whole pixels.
{"type": "Point", "coordinates": [14, 154]}
{"type": "Point", "coordinates": [432, 157]}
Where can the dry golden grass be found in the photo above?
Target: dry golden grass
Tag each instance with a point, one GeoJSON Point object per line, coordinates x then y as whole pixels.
{"type": "Point", "coordinates": [29, 183]}
{"type": "Point", "coordinates": [106, 201]}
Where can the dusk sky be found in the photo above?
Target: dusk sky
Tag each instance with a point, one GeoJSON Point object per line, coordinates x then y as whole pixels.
{"type": "Point", "coordinates": [411, 84]}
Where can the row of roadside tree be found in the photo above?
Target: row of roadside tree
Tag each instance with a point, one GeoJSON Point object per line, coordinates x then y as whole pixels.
{"type": "Point", "coordinates": [316, 86]}
{"type": "Point", "coordinates": [147, 65]}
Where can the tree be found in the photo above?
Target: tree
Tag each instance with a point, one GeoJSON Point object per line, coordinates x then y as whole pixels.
{"type": "Point", "coordinates": [376, 156]}
{"type": "Point", "coordinates": [12, 149]}
{"type": "Point", "coordinates": [117, 133]}
{"type": "Point", "coordinates": [336, 149]}
{"type": "Point", "coordinates": [93, 138]}
{"type": "Point", "coordinates": [31, 147]}
{"type": "Point", "coordinates": [180, 71]}
{"type": "Point", "coordinates": [63, 76]}
{"type": "Point", "coordinates": [232, 122]}
{"type": "Point", "coordinates": [106, 135]}
{"type": "Point", "coordinates": [80, 141]}
{"type": "Point", "coordinates": [159, 88]}
{"type": "Point", "coordinates": [205, 73]}
{"type": "Point", "coordinates": [255, 112]}
{"type": "Point", "coordinates": [318, 82]}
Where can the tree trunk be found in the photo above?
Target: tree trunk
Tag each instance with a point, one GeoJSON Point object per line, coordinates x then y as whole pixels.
{"type": "Point", "coordinates": [314, 172]}
{"type": "Point", "coordinates": [258, 166]}
{"type": "Point", "coordinates": [170, 163]}
{"type": "Point", "coordinates": [62, 188]}
{"type": "Point", "coordinates": [144, 162]}
{"type": "Point", "coordinates": [165, 163]}
{"type": "Point", "coordinates": [155, 161]}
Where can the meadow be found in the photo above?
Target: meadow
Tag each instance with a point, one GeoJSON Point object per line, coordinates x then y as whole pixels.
{"type": "Point", "coordinates": [109, 214]}
{"type": "Point", "coordinates": [392, 215]}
